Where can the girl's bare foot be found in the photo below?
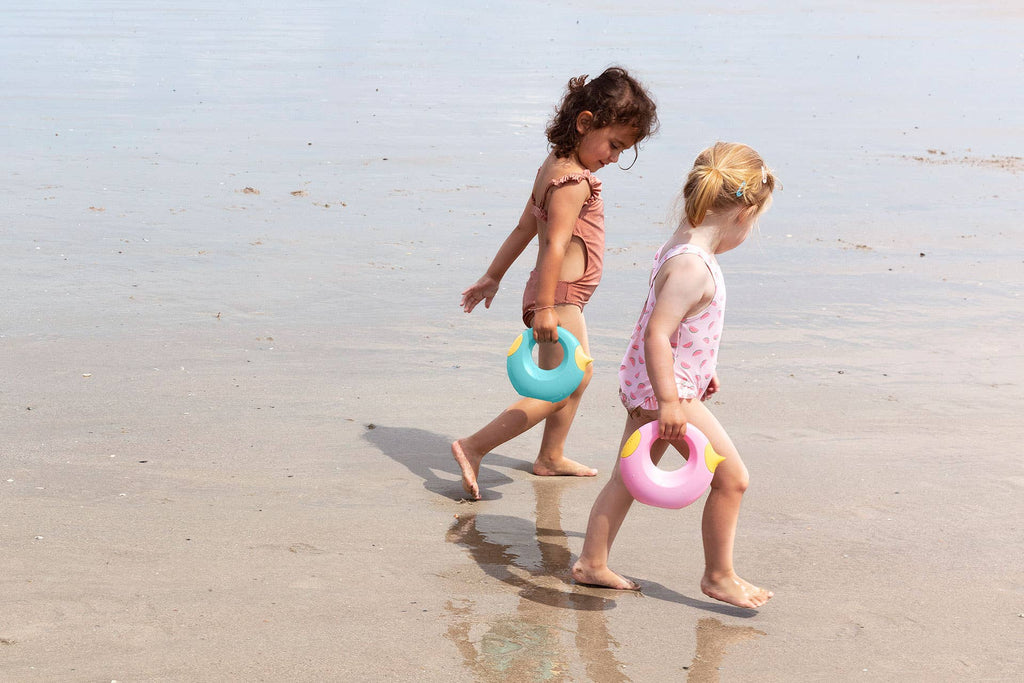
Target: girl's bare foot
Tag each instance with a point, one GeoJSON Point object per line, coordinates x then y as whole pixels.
{"type": "Point", "coordinates": [469, 463]}
{"type": "Point", "coordinates": [602, 578]}
{"type": "Point", "coordinates": [735, 591]}
{"type": "Point", "coordinates": [561, 467]}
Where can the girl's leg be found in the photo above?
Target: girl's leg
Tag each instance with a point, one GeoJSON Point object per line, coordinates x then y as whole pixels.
{"type": "Point", "coordinates": [606, 517]}
{"type": "Point", "coordinates": [527, 412]}
{"type": "Point", "coordinates": [513, 421]}
{"type": "Point", "coordinates": [721, 515]}
{"type": "Point", "coordinates": [551, 460]}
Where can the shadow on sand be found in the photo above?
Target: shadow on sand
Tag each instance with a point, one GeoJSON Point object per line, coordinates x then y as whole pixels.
{"type": "Point", "coordinates": [425, 454]}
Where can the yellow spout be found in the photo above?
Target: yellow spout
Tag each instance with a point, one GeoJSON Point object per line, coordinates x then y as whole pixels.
{"type": "Point", "coordinates": [582, 359]}
{"type": "Point", "coordinates": [711, 458]}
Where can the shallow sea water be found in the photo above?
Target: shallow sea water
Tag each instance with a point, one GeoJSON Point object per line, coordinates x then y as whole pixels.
{"type": "Point", "coordinates": [322, 179]}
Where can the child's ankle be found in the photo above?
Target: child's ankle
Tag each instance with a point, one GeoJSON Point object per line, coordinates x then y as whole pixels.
{"type": "Point", "coordinates": [718, 575]}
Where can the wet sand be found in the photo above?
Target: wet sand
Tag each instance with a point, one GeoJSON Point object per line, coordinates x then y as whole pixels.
{"type": "Point", "coordinates": [232, 246]}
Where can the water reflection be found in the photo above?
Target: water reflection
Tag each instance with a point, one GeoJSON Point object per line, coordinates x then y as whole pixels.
{"type": "Point", "coordinates": [713, 639]}
{"type": "Point", "coordinates": [531, 643]}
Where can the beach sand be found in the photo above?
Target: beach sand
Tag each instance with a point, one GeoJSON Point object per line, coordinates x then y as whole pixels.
{"type": "Point", "coordinates": [232, 244]}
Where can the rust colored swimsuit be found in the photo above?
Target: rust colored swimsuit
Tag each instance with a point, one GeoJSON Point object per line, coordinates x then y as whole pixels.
{"type": "Point", "coordinates": [589, 227]}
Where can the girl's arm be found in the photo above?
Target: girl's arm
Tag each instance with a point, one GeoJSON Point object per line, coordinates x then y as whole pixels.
{"type": "Point", "coordinates": [684, 286]}
{"type": "Point", "coordinates": [486, 287]}
{"type": "Point", "coordinates": [564, 204]}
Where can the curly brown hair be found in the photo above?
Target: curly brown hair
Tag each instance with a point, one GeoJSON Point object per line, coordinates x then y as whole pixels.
{"type": "Point", "coordinates": [613, 98]}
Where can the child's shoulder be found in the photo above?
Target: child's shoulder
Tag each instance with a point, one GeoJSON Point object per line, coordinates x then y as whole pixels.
{"type": "Point", "coordinates": [555, 173]}
{"type": "Point", "coordinates": [683, 260]}
{"type": "Point", "coordinates": [555, 170]}
{"type": "Point", "coordinates": [681, 248]}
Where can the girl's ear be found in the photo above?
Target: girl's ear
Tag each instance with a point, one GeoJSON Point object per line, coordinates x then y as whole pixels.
{"type": "Point", "coordinates": [584, 121]}
{"type": "Point", "coordinates": [753, 212]}
{"type": "Point", "coordinates": [748, 213]}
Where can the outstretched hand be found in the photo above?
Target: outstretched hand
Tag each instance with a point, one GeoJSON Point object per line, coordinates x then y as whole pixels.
{"type": "Point", "coordinates": [483, 289]}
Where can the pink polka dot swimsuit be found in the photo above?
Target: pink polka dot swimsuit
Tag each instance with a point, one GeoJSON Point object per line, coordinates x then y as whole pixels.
{"type": "Point", "coordinates": [694, 343]}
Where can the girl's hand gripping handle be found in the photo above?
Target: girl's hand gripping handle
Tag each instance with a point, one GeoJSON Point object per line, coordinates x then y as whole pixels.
{"type": "Point", "coordinates": [545, 325]}
{"type": "Point", "coordinates": [671, 420]}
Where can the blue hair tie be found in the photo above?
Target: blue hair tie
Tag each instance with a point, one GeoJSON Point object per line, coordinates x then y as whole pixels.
{"type": "Point", "coordinates": [739, 192]}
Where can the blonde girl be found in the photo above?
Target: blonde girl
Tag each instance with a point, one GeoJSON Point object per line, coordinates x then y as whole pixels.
{"type": "Point", "coordinates": [669, 365]}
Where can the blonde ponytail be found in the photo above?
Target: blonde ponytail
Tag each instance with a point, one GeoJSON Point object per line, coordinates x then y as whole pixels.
{"type": "Point", "coordinates": [725, 176]}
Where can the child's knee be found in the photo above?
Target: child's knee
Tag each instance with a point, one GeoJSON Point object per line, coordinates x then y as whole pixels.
{"type": "Point", "coordinates": [587, 374]}
{"type": "Point", "coordinates": [742, 481]}
{"type": "Point", "coordinates": [732, 477]}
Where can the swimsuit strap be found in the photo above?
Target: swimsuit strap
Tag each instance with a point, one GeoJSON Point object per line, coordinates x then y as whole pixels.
{"type": "Point", "coordinates": [675, 251]}
{"type": "Point", "coordinates": [562, 180]}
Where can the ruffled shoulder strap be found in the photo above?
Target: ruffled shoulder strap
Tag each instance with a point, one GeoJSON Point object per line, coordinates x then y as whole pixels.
{"type": "Point", "coordinates": [574, 177]}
